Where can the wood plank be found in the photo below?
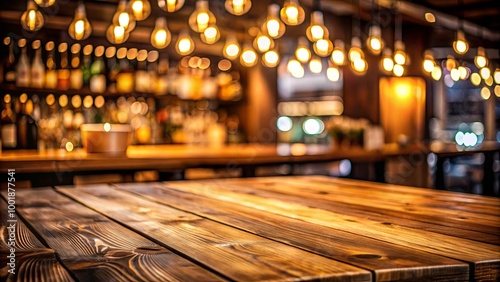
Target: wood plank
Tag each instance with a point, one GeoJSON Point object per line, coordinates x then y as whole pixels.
{"type": "Point", "coordinates": [485, 258]}
{"type": "Point", "coordinates": [389, 262]}
{"type": "Point", "coordinates": [234, 253]}
{"type": "Point", "coordinates": [32, 257]}
{"type": "Point", "coordinates": [95, 248]}
{"type": "Point", "coordinates": [334, 198]}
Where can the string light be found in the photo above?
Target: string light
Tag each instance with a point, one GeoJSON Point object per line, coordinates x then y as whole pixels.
{"type": "Point", "coordinates": [238, 7]}
{"type": "Point", "coordinates": [333, 72]}
{"type": "Point", "coordinates": [271, 58]}
{"type": "Point", "coordinates": [170, 5]}
{"type": "Point", "coordinates": [231, 49]}
{"type": "Point", "coordinates": [436, 73]}
{"type": "Point", "coordinates": [317, 29]}
{"type": "Point", "coordinates": [480, 59]}
{"type": "Point", "coordinates": [485, 73]}
{"type": "Point", "coordinates": [161, 37]}
{"type": "Point", "coordinates": [263, 43]}
{"type": "Point", "coordinates": [315, 65]}
{"type": "Point", "coordinates": [116, 34]}
{"type": "Point", "coordinates": [460, 45]}
{"type": "Point", "coordinates": [273, 26]}
{"type": "Point", "coordinates": [400, 56]}
{"type": "Point", "coordinates": [387, 62]}
{"type": "Point", "coordinates": [80, 27]}
{"type": "Point", "coordinates": [338, 53]}
{"type": "Point", "coordinates": [32, 19]}
{"type": "Point", "coordinates": [185, 44]}
{"type": "Point", "coordinates": [201, 18]}
{"type": "Point", "coordinates": [141, 9]}
{"type": "Point", "coordinates": [292, 13]}
{"type": "Point", "coordinates": [302, 53]}
{"type": "Point", "coordinates": [496, 75]}
{"type": "Point", "coordinates": [123, 17]}
{"type": "Point", "coordinates": [374, 42]}
{"type": "Point", "coordinates": [323, 47]}
{"type": "Point", "coordinates": [248, 56]}
{"type": "Point", "coordinates": [428, 63]}
{"type": "Point", "coordinates": [210, 35]}
{"type": "Point", "coordinates": [294, 67]}
{"type": "Point", "coordinates": [355, 51]}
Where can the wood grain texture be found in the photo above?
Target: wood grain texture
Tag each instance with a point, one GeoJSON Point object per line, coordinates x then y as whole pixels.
{"type": "Point", "coordinates": [32, 257]}
{"type": "Point", "coordinates": [96, 249]}
{"type": "Point", "coordinates": [479, 255]}
{"type": "Point", "coordinates": [234, 253]}
{"type": "Point", "coordinates": [389, 262]}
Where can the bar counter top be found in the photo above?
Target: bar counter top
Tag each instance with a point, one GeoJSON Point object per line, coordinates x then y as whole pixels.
{"type": "Point", "coordinates": [293, 228]}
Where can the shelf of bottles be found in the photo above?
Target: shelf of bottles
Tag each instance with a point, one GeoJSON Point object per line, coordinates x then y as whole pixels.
{"type": "Point", "coordinates": [45, 99]}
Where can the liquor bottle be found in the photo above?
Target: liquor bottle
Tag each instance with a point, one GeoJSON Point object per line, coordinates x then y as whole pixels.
{"type": "Point", "coordinates": [125, 77]}
{"type": "Point", "coordinates": [162, 82]}
{"type": "Point", "coordinates": [97, 70]}
{"type": "Point", "coordinates": [63, 72]}
{"type": "Point", "coordinates": [27, 130]}
{"type": "Point", "coordinates": [112, 68]}
{"type": "Point", "coordinates": [23, 66]}
{"type": "Point", "coordinates": [76, 73]}
{"type": "Point", "coordinates": [37, 68]}
{"type": "Point", "coordinates": [142, 83]}
{"type": "Point", "coordinates": [9, 69]}
{"type": "Point", "coordinates": [51, 73]}
{"type": "Point", "coordinates": [8, 125]}
{"type": "Point", "coordinates": [153, 71]}
{"type": "Point", "coordinates": [87, 62]}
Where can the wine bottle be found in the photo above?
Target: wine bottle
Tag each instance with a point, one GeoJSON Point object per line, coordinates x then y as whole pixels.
{"type": "Point", "coordinates": [97, 70]}
{"type": "Point", "coordinates": [23, 66]}
{"type": "Point", "coordinates": [112, 68]}
{"type": "Point", "coordinates": [153, 71]}
{"type": "Point", "coordinates": [76, 73]}
{"type": "Point", "coordinates": [142, 83]}
{"type": "Point", "coordinates": [37, 68]}
{"type": "Point", "coordinates": [87, 62]}
{"type": "Point", "coordinates": [27, 130]}
{"type": "Point", "coordinates": [51, 73]}
{"type": "Point", "coordinates": [8, 125]}
{"type": "Point", "coordinates": [10, 63]}
{"type": "Point", "coordinates": [63, 72]}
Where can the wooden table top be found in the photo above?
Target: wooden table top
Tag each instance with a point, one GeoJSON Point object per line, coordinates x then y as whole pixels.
{"type": "Point", "coordinates": [294, 228]}
{"type": "Point", "coordinates": [185, 156]}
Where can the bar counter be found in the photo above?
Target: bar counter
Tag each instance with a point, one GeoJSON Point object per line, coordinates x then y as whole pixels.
{"type": "Point", "coordinates": [293, 228]}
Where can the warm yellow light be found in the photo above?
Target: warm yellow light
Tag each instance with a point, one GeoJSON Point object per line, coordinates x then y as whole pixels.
{"type": "Point", "coordinates": [231, 49]}
{"type": "Point", "coordinates": [263, 43]}
{"type": "Point", "coordinates": [302, 52]}
{"type": "Point", "coordinates": [141, 9]}
{"type": "Point", "coordinates": [359, 65]}
{"type": "Point", "coordinates": [399, 53]}
{"type": "Point", "coordinates": [451, 63]}
{"type": "Point", "coordinates": [201, 18]}
{"type": "Point", "coordinates": [315, 65]}
{"type": "Point", "coordinates": [398, 70]}
{"type": "Point", "coordinates": [475, 78]}
{"type": "Point", "coordinates": [295, 68]}
{"type": "Point", "coordinates": [323, 47]}
{"type": "Point", "coordinates": [238, 7]}
{"type": "Point", "coordinates": [489, 81]}
{"type": "Point", "coordinates": [429, 17]}
{"type": "Point", "coordinates": [460, 45]}
{"type": "Point", "coordinates": [273, 26]}
{"type": "Point", "coordinates": [403, 90]}
{"type": "Point", "coordinates": [338, 54]}
{"type": "Point", "coordinates": [123, 17]}
{"type": "Point", "coordinates": [45, 3]}
{"type": "Point", "coordinates": [485, 93]}
{"type": "Point", "coordinates": [170, 5]}
{"type": "Point", "coordinates": [161, 37]}
{"type": "Point", "coordinates": [32, 19]}
{"type": "Point", "coordinates": [317, 29]}
{"type": "Point", "coordinates": [333, 73]}
{"type": "Point", "coordinates": [436, 73]}
{"type": "Point", "coordinates": [107, 127]}
{"type": "Point", "coordinates": [355, 52]}
{"type": "Point", "coordinates": [497, 90]}
{"type": "Point", "coordinates": [455, 74]}
{"type": "Point", "coordinates": [374, 42]}
{"type": "Point", "coordinates": [485, 72]}
{"type": "Point", "coordinates": [248, 57]}
{"type": "Point", "coordinates": [464, 72]}
{"type": "Point", "coordinates": [428, 63]}
{"type": "Point", "coordinates": [496, 75]}
{"type": "Point", "coordinates": [387, 62]}
{"type": "Point", "coordinates": [69, 146]}
{"type": "Point", "coordinates": [480, 59]}
{"type": "Point", "coordinates": [185, 44]}
{"type": "Point", "coordinates": [116, 34]}
{"type": "Point", "coordinates": [271, 58]}
{"type": "Point", "coordinates": [292, 13]}
{"type": "Point", "coordinates": [210, 35]}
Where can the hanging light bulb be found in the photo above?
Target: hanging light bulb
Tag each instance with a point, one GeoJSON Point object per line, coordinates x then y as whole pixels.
{"type": "Point", "coordinates": [496, 76]}
{"type": "Point", "coordinates": [464, 72]}
{"type": "Point", "coordinates": [355, 52]}
{"type": "Point", "coordinates": [201, 18]}
{"type": "Point", "coordinates": [170, 5]}
{"type": "Point", "coordinates": [185, 44]}
{"type": "Point", "coordinates": [485, 73]}
{"type": "Point", "coordinates": [460, 45]}
{"type": "Point", "coordinates": [161, 37]}
{"type": "Point", "coordinates": [450, 63]}
{"type": "Point", "coordinates": [248, 56]}
{"type": "Point", "coordinates": [80, 28]}
{"type": "Point", "coordinates": [292, 13]}
{"type": "Point", "coordinates": [116, 34]}
{"type": "Point", "coordinates": [485, 93]}
{"type": "Point", "coordinates": [480, 59]}
{"type": "Point", "coordinates": [271, 59]}
{"type": "Point", "coordinates": [338, 53]}
{"type": "Point", "coordinates": [210, 35]}
{"type": "Point", "coordinates": [141, 9]}
{"type": "Point", "coordinates": [123, 17]}
{"type": "Point", "coordinates": [455, 74]}
{"type": "Point", "coordinates": [360, 66]}
{"type": "Point", "coordinates": [323, 47]}
{"type": "Point", "coordinates": [428, 63]}
{"type": "Point", "coordinates": [238, 7]}
{"type": "Point", "coordinates": [333, 72]}
{"type": "Point", "coordinates": [231, 49]}
{"type": "Point", "coordinates": [387, 62]}
{"type": "Point", "coordinates": [45, 3]}
{"type": "Point", "coordinates": [374, 42]}
{"type": "Point", "coordinates": [295, 68]}
{"type": "Point", "coordinates": [398, 70]}
{"type": "Point", "coordinates": [273, 26]}
{"type": "Point", "coordinates": [263, 43]}
{"type": "Point", "coordinates": [317, 29]}
{"type": "Point", "coordinates": [436, 73]}
{"type": "Point", "coordinates": [302, 53]}
{"type": "Point", "coordinates": [315, 65]}
{"type": "Point", "coordinates": [400, 56]}
{"type": "Point", "coordinates": [32, 19]}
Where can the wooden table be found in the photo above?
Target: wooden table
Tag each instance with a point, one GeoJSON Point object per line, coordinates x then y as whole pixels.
{"type": "Point", "coordinates": [254, 229]}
